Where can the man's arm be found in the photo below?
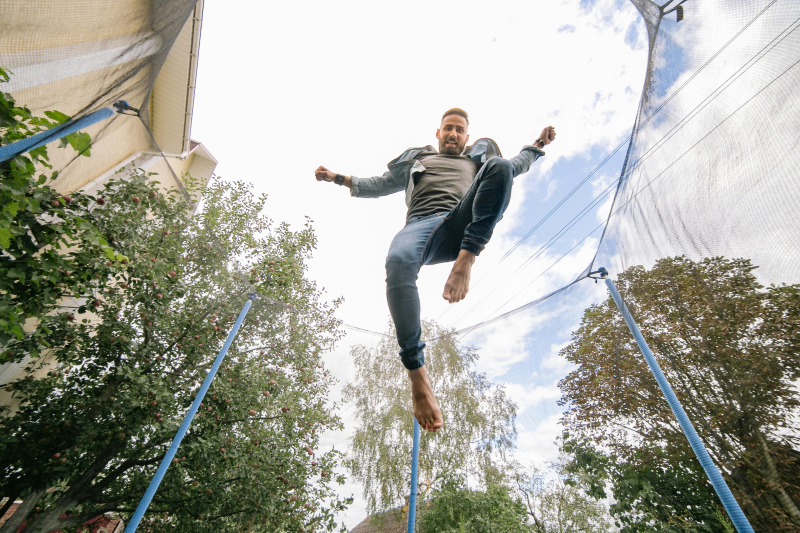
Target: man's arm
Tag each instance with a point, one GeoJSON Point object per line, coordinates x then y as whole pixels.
{"type": "Point", "coordinates": [531, 153]}
{"type": "Point", "coordinates": [363, 187]}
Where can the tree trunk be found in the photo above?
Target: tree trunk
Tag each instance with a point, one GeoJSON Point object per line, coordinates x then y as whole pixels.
{"type": "Point", "coordinates": [248, 527]}
{"type": "Point", "coordinates": [770, 473]}
{"type": "Point", "coordinates": [50, 519]}
{"type": "Point", "coordinates": [28, 505]}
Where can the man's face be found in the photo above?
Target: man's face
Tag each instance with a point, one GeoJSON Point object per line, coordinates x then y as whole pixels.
{"type": "Point", "coordinates": [452, 135]}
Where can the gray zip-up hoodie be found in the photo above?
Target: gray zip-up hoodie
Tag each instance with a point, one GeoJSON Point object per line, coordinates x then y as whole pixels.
{"type": "Point", "coordinates": [398, 177]}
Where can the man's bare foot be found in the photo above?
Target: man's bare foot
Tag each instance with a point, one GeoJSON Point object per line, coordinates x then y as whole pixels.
{"type": "Point", "coordinates": [457, 284]}
{"type": "Point", "coordinates": [426, 410]}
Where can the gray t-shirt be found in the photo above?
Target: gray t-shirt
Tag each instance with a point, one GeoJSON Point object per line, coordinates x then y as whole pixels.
{"type": "Point", "coordinates": [439, 188]}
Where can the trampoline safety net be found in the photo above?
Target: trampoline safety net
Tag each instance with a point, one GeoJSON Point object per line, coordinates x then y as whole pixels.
{"type": "Point", "coordinates": [702, 241]}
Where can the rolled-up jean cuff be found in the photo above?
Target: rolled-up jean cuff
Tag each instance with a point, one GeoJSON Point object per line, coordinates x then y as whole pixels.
{"type": "Point", "coordinates": [415, 361]}
{"type": "Point", "coordinates": [470, 246]}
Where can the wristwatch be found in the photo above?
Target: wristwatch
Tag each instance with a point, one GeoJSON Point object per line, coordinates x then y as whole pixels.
{"type": "Point", "coordinates": [537, 141]}
{"type": "Point", "coordinates": [339, 179]}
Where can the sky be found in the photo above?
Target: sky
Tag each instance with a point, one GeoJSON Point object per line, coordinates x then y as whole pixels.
{"type": "Point", "coordinates": [286, 87]}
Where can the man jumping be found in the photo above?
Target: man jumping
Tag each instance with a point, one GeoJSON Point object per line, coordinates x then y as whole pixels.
{"type": "Point", "coordinates": [455, 197]}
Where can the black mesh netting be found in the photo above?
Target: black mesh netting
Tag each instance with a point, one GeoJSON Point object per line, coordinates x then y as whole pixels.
{"type": "Point", "coordinates": [701, 239]}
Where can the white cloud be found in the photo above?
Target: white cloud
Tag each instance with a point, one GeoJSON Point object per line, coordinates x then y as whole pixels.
{"type": "Point", "coordinates": [538, 443]}
{"type": "Point", "coordinates": [527, 398]}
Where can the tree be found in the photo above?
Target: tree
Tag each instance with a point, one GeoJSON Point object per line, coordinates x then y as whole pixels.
{"type": "Point", "coordinates": [453, 508]}
{"type": "Point", "coordinates": [729, 347]}
{"type": "Point", "coordinates": [556, 501]}
{"type": "Point", "coordinates": [479, 420]}
{"type": "Point", "coordinates": [28, 236]}
{"type": "Point", "coordinates": [652, 492]}
{"type": "Point", "coordinates": [128, 298]}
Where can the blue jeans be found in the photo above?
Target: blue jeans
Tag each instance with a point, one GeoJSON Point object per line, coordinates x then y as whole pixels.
{"type": "Point", "coordinates": [438, 238]}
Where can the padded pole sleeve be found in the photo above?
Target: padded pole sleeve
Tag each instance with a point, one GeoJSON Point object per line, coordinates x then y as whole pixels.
{"type": "Point", "coordinates": [40, 139]}
{"type": "Point", "coordinates": [187, 420]}
{"type": "Point", "coordinates": [723, 491]}
{"type": "Point", "coordinates": [412, 499]}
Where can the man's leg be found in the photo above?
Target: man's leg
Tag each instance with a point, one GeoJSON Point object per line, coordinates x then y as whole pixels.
{"type": "Point", "coordinates": [406, 256]}
{"type": "Point", "coordinates": [475, 217]}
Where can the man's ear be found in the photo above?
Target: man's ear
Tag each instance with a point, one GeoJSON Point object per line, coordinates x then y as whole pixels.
{"type": "Point", "coordinates": [437, 133]}
{"type": "Point", "coordinates": [465, 142]}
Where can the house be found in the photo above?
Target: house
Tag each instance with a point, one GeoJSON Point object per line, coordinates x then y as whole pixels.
{"type": "Point", "coordinates": [82, 56]}
{"type": "Point", "coordinates": [100, 524]}
{"type": "Point", "coordinates": [393, 521]}
{"type": "Point", "coordinates": [60, 61]}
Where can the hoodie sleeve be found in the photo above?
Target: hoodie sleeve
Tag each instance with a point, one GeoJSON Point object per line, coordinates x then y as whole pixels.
{"type": "Point", "coordinates": [522, 162]}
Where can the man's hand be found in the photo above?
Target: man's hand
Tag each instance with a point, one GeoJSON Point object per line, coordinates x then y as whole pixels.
{"type": "Point", "coordinates": [547, 136]}
{"type": "Point", "coordinates": [323, 174]}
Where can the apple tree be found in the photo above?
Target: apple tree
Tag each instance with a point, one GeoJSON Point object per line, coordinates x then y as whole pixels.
{"type": "Point", "coordinates": [119, 302]}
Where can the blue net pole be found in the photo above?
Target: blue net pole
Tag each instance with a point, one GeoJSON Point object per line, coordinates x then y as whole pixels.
{"type": "Point", "coordinates": [176, 442]}
{"type": "Point", "coordinates": [412, 499]}
{"type": "Point", "coordinates": [723, 491]}
{"type": "Point", "coordinates": [40, 139]}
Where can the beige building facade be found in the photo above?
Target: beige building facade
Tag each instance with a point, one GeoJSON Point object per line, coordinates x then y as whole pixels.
{"type": "Point", "coordinates": [59, 63]}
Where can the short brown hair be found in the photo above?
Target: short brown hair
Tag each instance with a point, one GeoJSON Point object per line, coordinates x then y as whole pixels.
{"type": "Point", "coordinates": [457, 111]}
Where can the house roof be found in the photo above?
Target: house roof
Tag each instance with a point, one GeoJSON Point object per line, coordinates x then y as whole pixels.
{"type": "Point", "coordinates": [394, 521]}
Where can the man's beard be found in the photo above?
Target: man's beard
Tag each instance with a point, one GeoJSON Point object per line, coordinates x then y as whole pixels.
{"type": "Point", "coordinates": [450, 150]}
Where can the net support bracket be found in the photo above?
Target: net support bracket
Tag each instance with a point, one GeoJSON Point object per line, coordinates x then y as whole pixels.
{"type": "Point", "coordinates": [412, 498]}
{"type": "Point", "coordinates": [723, 491]}
{"type": "Point", "coordinates": [187, 420]}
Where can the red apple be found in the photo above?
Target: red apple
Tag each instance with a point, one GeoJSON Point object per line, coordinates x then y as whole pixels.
{"type": "Point", "coordinates": [101, 201]}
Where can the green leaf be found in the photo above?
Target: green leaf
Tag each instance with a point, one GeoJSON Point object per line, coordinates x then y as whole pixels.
{"type": "Point", "coordinates": [11, 208]}
{"type": "Point", "coordinates": [58, 116]}
{"type": "Point", "coordinates": [5, 237]}
{"type": "Point", "coordinates": [80, 142]}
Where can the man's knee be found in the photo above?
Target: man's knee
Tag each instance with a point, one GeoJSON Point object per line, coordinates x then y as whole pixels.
{"type": "Point", "coordinates": [500, 166]}
{"type": "Point", "coordinates": [401, 267]}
